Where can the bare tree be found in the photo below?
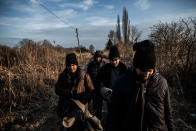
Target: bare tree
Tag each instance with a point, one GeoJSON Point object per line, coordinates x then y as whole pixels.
{"type": "Point", "coordinates": [189, 40]}
{"type": "Point", "coordinates": [125, 25]}
{"type": "Point", "coordinates": [129, 31]}
{"type": "Point", "coordinates": [135, 34]}
{"type": "Point", "coordinates": [166, 37]}
{"type": "Point", "coordinates": [112, 36]}
{"type": "Point", "coordinates": [91, 48]}
{"type": "Point", "coordinates": [118, 32]}
{"type": "Point", "coordinates": [176, 44]}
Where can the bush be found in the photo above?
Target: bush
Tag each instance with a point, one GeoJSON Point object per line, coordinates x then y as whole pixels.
{"type": "Point", "coordinates": [9, 56]}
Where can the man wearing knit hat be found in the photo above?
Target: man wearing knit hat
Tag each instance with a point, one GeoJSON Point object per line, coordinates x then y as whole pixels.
{"type": "Point", "coordinates": [140, 100]}
{"type": "Point", "coordinates": [95, 65]}
{"type": "Point", "coordinates": [73, 83]}
{"type": "Point", "coordinates": [107, 77]}
{"type": "Point", "coordinates": [93, 68]}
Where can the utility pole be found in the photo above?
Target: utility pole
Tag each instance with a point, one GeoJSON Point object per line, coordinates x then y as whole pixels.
{"type": "Point", "coordinates": [78, 41]}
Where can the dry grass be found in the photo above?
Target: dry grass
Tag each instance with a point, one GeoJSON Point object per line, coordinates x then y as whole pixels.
{"type": "Point", "coordinates": [28, 75]}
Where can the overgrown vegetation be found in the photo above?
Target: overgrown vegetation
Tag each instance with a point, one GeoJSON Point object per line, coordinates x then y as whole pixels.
{"type": "Point", "coordinates": [176, 49]}
{"type": "Point", "coordinates": [27, 75]}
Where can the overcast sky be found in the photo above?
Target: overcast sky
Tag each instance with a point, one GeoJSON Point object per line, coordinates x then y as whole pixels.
{"type": "Point", "coordinates": [94, 18]}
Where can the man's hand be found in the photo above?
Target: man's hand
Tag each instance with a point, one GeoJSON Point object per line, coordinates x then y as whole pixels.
{"type": "Point", "coordinates": [106, 93]}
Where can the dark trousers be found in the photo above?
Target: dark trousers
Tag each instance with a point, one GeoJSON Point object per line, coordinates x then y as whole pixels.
{"type": "Point", "coordinates": [97, 106]}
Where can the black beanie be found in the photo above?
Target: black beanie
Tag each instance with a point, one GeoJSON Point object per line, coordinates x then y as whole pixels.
{"type": "Point", "coordinates": [71, 59]}
{"type": "Point", "coordinates": [144, 57]}
{"type": "Point", "coordinates": [113, 53]}
{"type": "Point", "coordinates": [98, 54]}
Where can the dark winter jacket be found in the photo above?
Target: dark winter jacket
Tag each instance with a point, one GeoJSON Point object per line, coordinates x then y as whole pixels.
{"type": "Point", "coordinates": [106, 77]}
{"type": "Point", "coordinates": [108, 74]}
{"type": "Point", "coordinates": [78, 86]}
{"type": "Point", "coordinates": [93, 68]}
{"type": "Point", "coordinates": [157, 109]}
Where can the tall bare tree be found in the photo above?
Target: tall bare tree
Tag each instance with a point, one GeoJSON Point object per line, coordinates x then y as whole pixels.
{"type": "Point", "coordinates": [128, 32]}
{"type": "Point", "coordinates": [118, 32]}
{"type": "Point", "coordinates": [125, 25]}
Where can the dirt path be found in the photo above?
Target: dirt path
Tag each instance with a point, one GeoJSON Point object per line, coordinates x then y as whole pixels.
{"type": "Point", "coordinates": [39, 115]}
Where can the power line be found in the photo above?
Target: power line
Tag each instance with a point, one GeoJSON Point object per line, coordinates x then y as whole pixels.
{"type": "Point", "coordinates": [47, 9]}
{"type": "Point", "coordinates": [51, 12]}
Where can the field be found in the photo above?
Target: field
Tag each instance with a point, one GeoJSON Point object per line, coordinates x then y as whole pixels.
{"type": "Point", "coordinates": [28, 75]}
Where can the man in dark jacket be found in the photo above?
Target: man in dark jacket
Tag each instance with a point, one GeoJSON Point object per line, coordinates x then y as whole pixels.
{"type": "Point", "coordinates": [94, 66]}
{"type": "Point", "coordinates": [92, 69]}
{"type": "Point", "coordinates": [140, 100]}
{"type": "Point", "coordinates": [107, 77]}
{"type": "Point", "coordinates": [73, 83]}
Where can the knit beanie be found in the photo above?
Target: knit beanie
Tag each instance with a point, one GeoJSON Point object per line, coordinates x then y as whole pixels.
{"type": "Point", "coordinates": [144, 57]}
{"type": "Point", "coordinates": [113, 53]}
{"type": "Point", "coordinates": [71, 59]}
{"type": "Point", "coordinates": [97, 54]}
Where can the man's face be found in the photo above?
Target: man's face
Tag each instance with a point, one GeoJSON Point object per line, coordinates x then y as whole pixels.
{"type": "Point", "coordinates": [98, 59]}
{"type": "Point", "coordinates": [115, 61]}
{"type": "Point", "coordinates": [72, 68]}
{"type": "Point", "coordinates": [144, 74]}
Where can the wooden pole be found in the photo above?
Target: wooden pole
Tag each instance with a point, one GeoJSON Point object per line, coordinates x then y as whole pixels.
{"type": "Point", "coordinates": [78, 41]}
